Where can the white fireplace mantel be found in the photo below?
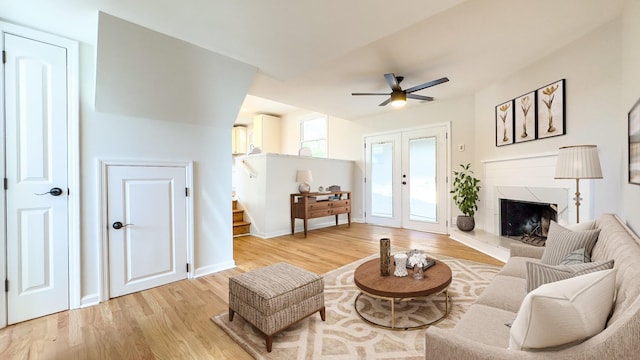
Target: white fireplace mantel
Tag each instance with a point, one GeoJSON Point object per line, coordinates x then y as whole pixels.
{"type": "Point", "coordinates": [530, 178]}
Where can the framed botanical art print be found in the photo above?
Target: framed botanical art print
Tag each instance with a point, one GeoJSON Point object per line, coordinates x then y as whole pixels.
{"type": "Point", "coordinates": [634, 144]}
{"type": "Point", "coordinates": [551, 110]}
{"type": "Point", "coordinates": [504, 123]}
{"type": "Point", "coordinates": [525, 118]}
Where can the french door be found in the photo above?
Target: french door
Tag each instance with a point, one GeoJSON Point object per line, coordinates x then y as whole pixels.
{"type": "Point", "coordinates": [406, 176]}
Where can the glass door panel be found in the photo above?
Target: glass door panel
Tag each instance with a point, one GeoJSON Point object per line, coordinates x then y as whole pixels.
{"type": "Point", "coordinates": [382, 179]}
{"type": "Point", "coordinates": [422, 179]}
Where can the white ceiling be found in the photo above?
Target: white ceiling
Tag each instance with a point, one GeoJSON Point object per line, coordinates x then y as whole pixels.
{"type": "Point", "coordinates": [313, 54]}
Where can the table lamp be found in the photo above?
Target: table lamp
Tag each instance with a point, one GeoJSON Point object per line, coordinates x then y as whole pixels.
{"type": "Point", "coordinates": [304, 177]}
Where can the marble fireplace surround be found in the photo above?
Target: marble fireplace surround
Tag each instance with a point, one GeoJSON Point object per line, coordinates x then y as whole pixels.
{"type": "Point", "coordinates": [558, 196]}
{"type": "Point", "coordinates": [525, 178]}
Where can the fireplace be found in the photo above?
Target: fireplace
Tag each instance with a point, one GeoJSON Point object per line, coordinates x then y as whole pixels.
{"type": "Point", "coordinates": [526, 221]}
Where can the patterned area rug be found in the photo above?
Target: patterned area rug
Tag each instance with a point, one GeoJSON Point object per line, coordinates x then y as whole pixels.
{"type": "Point", "coordinates": [344, 335]}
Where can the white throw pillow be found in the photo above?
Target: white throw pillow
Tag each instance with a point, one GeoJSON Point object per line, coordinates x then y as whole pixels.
{"type": "Point", "coordinates": [564, 312]}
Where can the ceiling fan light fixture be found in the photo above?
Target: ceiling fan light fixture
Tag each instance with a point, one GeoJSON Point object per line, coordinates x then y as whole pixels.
{"type": "Point", "coordinates": [398, 98]}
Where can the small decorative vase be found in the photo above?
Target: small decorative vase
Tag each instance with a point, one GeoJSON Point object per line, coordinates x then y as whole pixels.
{"type": "Point", "coordinates": [385, 257]}
{"type": "Point", "coordinates": [401, 265]}
{"type": "Point", "coordinates": [465, 223]}
{"type": "Point", "coordinates": [418, 273]}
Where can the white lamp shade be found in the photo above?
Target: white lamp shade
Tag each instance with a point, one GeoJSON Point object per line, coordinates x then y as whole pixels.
{"type": "Point", "coordinates": [578, 162]}
{"type": "Point", "coordinates": [304, 176]}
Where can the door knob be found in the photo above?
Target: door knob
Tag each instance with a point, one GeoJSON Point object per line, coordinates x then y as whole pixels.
{"type": "Point", "coordinates": [118, 225]}
{"type": "Point", "coordinates": [55, 191]}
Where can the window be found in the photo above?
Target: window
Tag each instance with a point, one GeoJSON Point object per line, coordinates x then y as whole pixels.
{"type": "Point", "coordinates": [313, 134]}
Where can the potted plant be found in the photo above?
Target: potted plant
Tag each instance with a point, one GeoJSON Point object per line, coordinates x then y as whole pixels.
{"type": "Point", "coordinates": [465, 195]}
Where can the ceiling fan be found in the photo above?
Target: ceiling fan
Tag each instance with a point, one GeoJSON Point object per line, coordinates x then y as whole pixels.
{"type": "Point", "coordinates": [398, 97]}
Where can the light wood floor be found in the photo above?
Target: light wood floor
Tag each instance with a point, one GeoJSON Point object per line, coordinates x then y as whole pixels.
{"type": "Point", "coordinates": [172, 321]}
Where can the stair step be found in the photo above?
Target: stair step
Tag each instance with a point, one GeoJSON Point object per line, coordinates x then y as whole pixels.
{"type": "Point", "coordinates": [241, 227]}
{"type": "Point", "coordinates": [238, 215]}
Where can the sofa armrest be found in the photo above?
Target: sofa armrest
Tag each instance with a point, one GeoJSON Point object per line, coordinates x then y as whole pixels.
{"type": "Point", "coordinates": [524, 250]}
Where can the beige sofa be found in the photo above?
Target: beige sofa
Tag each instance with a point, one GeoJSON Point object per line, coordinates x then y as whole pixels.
{"type": "Point", "coordinates": [482, 333]}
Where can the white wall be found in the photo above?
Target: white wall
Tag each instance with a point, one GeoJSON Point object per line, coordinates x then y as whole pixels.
{"type": "Point", "coordinates": [601, 71]}
{"type": "Point", "coordinates": [140, 135]}
{"type": "Point", "coordinates": [201, 134]}
{"type": "Point", "coordinates": [265, 182]}
{"type": "Point", "coordinates": [630, 93]}
{"type": "Point", "coordinates": [591, 67]}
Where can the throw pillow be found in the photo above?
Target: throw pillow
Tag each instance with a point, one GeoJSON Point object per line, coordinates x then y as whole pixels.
{"type": "Point", "coordinates": [578, 256]}
{"type": "Point", "coordinates": [540, 274]}
{"type": "Point", "coordinates": [564, 312]}
{"type": "Point", "coordinates": [561, 242]}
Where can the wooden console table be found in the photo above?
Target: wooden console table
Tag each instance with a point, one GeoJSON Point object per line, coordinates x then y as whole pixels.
{"type": "Point", "coordinates": [314, 205]}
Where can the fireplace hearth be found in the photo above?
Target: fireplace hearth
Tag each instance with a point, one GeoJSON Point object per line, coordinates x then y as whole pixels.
{"type": "Point", "coordinates": [526, 221]}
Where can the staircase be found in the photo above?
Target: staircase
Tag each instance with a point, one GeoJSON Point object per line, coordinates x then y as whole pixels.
{"type": "Point", "coordinates": [240, 227]}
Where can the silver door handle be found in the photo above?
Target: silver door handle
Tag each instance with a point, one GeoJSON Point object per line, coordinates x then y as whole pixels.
{"type": "Point", "coordinates": [118, 225]}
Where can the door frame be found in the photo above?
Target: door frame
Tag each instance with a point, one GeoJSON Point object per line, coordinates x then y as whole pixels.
{"type": "Point", "coordinates": [103, 257]}
{"type": "Point", "coordinates": [73, 161]}
{"type": "Point", "coordinates": [447, 165]}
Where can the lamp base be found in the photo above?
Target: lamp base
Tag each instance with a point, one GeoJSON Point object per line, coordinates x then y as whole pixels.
{"type": "Point", "coordinates": [304, 188]}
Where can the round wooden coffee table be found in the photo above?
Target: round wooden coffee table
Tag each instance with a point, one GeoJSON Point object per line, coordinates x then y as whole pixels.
{"type": "Point", "coordinates": [436, 281]}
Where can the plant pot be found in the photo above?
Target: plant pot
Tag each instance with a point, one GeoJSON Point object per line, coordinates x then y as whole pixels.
{"type": "Point", "coordinates": [465, 223]}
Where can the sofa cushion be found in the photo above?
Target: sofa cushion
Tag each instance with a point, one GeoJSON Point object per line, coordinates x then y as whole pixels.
{"type": "Point", "coordinates": [564, 312]}
{"type": "Point", "coordinates": [540, 274]}
{"type": "Point", "coordinates": [504, 292]}
{"type": "Point", "coordinates": [561, 242]}
{"type": "Point", "coordinates": [491, 331]}
{"type": "Point", "coordinates": [517, 266]}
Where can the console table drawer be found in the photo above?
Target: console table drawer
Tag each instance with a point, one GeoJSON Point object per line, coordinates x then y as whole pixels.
{"type": "Point", "coordinates": [340, 210]}
{"type": "Point", "coordinates": [320, 213]}
{"type": "Point", "coordinates": [320, 205]}
{"type": "Point", "coordinates": [339, 203]}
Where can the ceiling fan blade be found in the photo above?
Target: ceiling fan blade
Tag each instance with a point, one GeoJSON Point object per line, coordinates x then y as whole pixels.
{"type": "Point", "coordinates": [392, 81]}
{"type": "Point", "coordinates": [427, 84]}
{"type": "Point", "coordinates": [385, 102]}
{"type": "Point", "coordinates": [419, 97]}
{"type": "Point", "coordinates": [355, 94]}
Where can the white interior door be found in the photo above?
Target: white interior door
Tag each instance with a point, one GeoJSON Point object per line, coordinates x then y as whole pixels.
{"type": "Point", "coordinates": [406, 179]}
{"type": "Point", "coordinates": [36, 174]}
{"type": "Point", "coordinates": [147, 214]}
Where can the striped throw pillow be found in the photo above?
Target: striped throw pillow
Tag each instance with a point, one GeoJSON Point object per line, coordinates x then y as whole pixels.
{"type": "Point", "coordinates": [539, 274]}
{"type": "Point", "coordinates": [561, 242]}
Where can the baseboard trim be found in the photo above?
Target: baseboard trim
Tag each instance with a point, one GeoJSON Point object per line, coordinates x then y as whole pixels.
{"type": "Point", "coordinates": [89, 300]}
{"type": "Point", "coordinates": [214, 268]}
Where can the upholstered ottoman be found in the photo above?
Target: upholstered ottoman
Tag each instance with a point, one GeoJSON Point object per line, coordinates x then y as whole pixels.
{"type": "Point", "coordinates": [274, 297]}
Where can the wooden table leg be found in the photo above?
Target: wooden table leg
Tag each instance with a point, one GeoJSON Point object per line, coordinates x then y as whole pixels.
{"type": "Point", "coordinates": [305, 227]}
